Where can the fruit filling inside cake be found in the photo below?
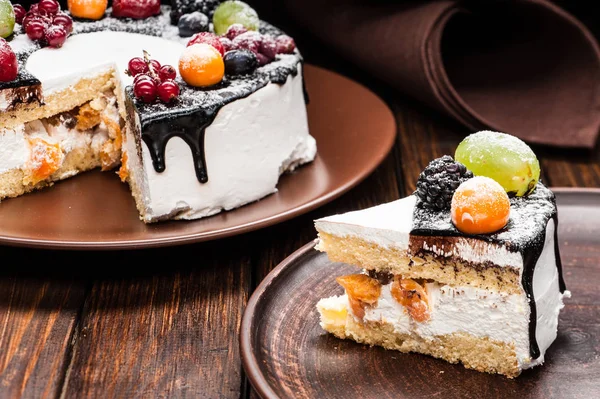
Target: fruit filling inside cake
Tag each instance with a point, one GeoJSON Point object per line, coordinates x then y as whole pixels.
{"type": "Point", "coordinates": [465, 269]}
{"type": "Point", "coordinates": [59, 146]}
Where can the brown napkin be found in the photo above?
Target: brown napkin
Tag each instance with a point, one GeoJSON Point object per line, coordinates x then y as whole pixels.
{"type": "Point", "coordinates": [522, 67]}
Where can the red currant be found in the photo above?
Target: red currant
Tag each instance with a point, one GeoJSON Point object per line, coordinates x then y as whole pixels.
{"type": "Point", "coordinates": [155, 65]}
{"type": "Point", "coordinates": [285, 44]}
{"type": "Point", "coordinates": [55, 36]}
{"type": "Point", "coordinates": [142, 76]}
{"type": "Point", "coordinates": [9, 67]}
{"type": "Point", "coordinates": [168, 91]}
{"type": "Point", "coordinates": [34, 8]}
{"type": "Point", "coordinates": [167, 72]}
{"type": "Point", "coordinates": [19, 13]}
{"type": "Point", "coordinates": [208, 38]}
{"type": "Point", "coordinates": [50, 7]}
{"type": "Point", "coordinates": [136, 66]}
{"type": "Point", "coordinates": [145, 90]}
{"type": "Point", "coordinates": [30, 17]}
{"type": "Point", "coordinates": [64, 20]}
{"type": "Point", "coordinates": [35, 29]}
{"type": "Point", "coordinates": [235, 30]}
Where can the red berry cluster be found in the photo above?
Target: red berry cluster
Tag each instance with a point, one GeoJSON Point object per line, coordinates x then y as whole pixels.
{"type": "Point", "coordinates": [152, 80]}
{"type": "Point", "coordinates": [45, 22]}
{"type": "Point", "coordinates": [9, 67]}
{"type": "Point", "coordinates": [265, 47]}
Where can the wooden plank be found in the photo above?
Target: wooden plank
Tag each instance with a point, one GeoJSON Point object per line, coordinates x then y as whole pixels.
{"type": "Point", "coordinates": [168, 329]}
{"type": "Point", "coordinates": [38, 314]}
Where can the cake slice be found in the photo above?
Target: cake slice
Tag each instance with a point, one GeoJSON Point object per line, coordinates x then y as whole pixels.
{"type": "Point", "coordinates": [489, 299]}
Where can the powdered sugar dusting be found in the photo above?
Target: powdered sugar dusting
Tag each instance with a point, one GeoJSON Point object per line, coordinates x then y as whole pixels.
{"type": "Point", "coordinates": [528, 219]}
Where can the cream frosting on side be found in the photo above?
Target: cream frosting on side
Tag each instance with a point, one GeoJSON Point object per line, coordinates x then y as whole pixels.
{"type": "Point", "coordinates": [249, 144]}
{"type": "Point", "coordinates": [387, 225]}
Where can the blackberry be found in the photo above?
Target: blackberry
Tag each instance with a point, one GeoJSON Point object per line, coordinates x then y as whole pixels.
{"type": "Point", "coordinates": [192, 23]}
{"type": "Point", "coordinates": [438, 181]}
{"type": "Point", "coordinates": [181, 7]}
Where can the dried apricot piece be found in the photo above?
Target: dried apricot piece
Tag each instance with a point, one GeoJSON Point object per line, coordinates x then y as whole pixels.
{"type": "Point", "coordinates": [412, 296]}
{"type": "Point", "coordinates": [45, 159]}
{"type": "Point", "coordinates": [362, 291]}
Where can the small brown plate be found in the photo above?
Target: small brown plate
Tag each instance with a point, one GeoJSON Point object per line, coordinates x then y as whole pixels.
{"type": "Point", "coordinates": [286, 354]}
{"type": "Point", "coordinates": [354, 130]}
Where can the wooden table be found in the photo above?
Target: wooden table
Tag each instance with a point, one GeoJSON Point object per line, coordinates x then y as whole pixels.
{"type": "Point", "coordinates": [148, 324]}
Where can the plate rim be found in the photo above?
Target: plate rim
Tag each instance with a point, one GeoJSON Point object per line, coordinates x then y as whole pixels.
{"type": "Point", "coordinates": [250, 226]}
{"type": "Point", "coordinates": [249, 362]}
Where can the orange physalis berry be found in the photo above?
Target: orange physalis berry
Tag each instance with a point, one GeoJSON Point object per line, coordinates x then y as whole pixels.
{"type": "Point", "coordinates": [480, 206]}
{"type": "Point", "coordinates": [45, 159]}
{"type": "Point", "coordinates": [88, 9]}
{"type": "Point", "coordinates": [201, 65]}
{"type": "Point", "coordinates": [412, 296]}
{"type": "Point", "coordinates": [362, 290]}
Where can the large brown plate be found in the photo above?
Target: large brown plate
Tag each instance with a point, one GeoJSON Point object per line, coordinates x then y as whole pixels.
{"type": "Point", "coordinates": [354, 130]}
{"type": "Point", "coordinates": [286, 354]}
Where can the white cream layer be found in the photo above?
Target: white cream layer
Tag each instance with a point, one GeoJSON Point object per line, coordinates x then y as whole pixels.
{"type": "Point", "coordinates": [249, 144]}
{"type": "Point", "coordinates": [389, 225]}
{"type": "Point", "coordinates": [16, 149]}
{"type": "Point", "coordinates": [481, 313]}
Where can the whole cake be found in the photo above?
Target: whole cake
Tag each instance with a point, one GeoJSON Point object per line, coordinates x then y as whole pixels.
{"type": "Point", "coordinates": [199, 106]}
{"type": "Point", "coordinates": [465, 269]}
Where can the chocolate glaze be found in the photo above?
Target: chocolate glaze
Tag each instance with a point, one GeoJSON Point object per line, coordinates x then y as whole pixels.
{"type": "Point", "coordinates": [196, 108]}
{"type": "Point", "coordinates": [525, 233]}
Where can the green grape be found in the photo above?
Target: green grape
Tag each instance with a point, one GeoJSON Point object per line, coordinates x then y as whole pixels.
{"type": "Point", "coordinates": [234, 12]}
{"type": "Point", "coordinates": [7, 18]}
{"type": "Point", "coordinates": [502, 157]}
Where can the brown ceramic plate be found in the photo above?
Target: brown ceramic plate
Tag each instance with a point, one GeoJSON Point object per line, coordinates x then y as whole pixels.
{"type": "Point", "coordinates": [286, 354]}
{"type": "Point", "coordinates": [354, 130]}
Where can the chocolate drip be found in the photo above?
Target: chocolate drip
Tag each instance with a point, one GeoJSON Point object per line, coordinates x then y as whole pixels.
{"type": "Point", "coordinates": [196, 109]}
{"type": "Point", "coordinates": [190, 128]}
{"type": "Point", "coordinates": [525, 233]}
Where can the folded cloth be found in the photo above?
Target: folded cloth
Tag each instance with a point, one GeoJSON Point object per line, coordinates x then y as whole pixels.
{"type": "Point", "coordinates": [525, 67]}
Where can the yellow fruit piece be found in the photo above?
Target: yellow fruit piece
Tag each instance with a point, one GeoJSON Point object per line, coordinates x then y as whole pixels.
{"type": "Point", "coordinates": [412, 296]}
{"type": "Point", "coordinates": [87, 9]}
{"type": "Point", "coordinates": [45, 159]}
{"type": "Point", "coordinates": [201, 65]}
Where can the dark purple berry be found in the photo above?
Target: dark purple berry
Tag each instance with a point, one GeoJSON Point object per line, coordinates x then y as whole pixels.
{"type": "Point", "coordinates": [190, 24]}
{"type": "Point", "coordinates": [438, 182]}
{"type": "Point", "coordinates": [240, 62]}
